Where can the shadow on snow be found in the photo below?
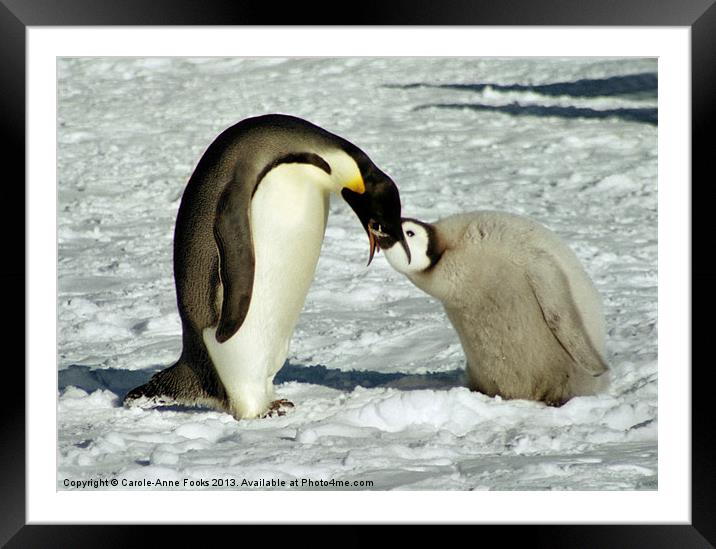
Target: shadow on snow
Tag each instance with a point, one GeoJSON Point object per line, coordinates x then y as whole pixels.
{"type": "Point", "coordinates": [120, 381]}
{"type": "Point", "coordinates": [646, 115]}
{"type": "Point", "coordinates": [634, 86]}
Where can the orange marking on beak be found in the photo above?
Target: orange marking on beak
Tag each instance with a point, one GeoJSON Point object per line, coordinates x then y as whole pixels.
{"type": "Point", "coordinates": [374, 246]}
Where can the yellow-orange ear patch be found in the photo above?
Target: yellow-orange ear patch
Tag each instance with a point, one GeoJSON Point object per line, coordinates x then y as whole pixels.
{"type": "Point", "coordinates": [356, 185]}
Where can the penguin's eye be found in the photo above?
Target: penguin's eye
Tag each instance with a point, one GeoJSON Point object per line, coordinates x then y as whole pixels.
{"type": "Point", "coordinates": [410, 233]}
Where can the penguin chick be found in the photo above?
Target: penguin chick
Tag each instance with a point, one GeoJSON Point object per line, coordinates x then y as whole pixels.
{"type": "Point", "coordinates": [529, 318]}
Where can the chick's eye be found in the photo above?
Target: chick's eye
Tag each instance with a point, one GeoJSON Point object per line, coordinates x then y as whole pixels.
{"type": "Point", "coordinates": [410, 233]}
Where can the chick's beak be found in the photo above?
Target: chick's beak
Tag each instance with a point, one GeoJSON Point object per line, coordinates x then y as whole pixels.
{"type": "Point", "coordinates": [404, 244]}
{"type": "Point", "coordinates": [378, 209]}
{"type": "Point", "coordinates": [385, 237]}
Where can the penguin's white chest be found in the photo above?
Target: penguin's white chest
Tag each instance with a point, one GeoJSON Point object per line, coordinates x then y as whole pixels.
{"type": "Point", "coordinates": [288, 219]}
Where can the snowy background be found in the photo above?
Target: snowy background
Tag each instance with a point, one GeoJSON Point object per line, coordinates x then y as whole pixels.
{"type": "Point", "coordinates": [375, 369]}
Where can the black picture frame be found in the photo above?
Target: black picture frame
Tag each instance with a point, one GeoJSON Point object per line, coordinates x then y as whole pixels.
{"type": "Point", "coordinates": [17, 15]}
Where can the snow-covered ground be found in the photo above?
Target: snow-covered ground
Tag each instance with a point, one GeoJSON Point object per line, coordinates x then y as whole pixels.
{"type": "Point", "coordinates": [375, 369]}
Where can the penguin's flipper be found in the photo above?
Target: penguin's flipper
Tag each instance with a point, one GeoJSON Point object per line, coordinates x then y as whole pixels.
{"type": "Point", "coordinates": [550, 287]}
{"type": "Point", "coordinates": [232, 232]}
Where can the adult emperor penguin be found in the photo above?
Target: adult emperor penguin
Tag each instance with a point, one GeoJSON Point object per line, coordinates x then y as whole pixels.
{"type": "Point", "coordinates": [528, 316]}
{"type": "Point", "coordinates": [248, 234]}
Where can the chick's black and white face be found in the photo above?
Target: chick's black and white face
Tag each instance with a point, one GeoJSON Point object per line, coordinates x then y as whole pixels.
{"type": "Point", "coordinates": [418, 240]}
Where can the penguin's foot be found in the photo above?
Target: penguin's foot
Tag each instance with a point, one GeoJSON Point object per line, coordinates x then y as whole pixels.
{"type": "Point", "coordinates": [278, 408]}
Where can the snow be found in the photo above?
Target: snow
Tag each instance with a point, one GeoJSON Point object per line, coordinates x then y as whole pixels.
{"type": "Point", "coordinates": [375, 369]}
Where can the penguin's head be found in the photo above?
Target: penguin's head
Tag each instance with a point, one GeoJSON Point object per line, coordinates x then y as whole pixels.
{"type": "Point", "coordinates": [421, 251]}
{"type": "Point", "coordinates": [376, 202]}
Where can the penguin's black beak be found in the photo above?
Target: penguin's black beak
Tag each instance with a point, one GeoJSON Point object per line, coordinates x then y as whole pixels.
{"type": "Point", "coordinates": [381, 239]}
{"type": "Point", "coordinates": [378, 209]}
